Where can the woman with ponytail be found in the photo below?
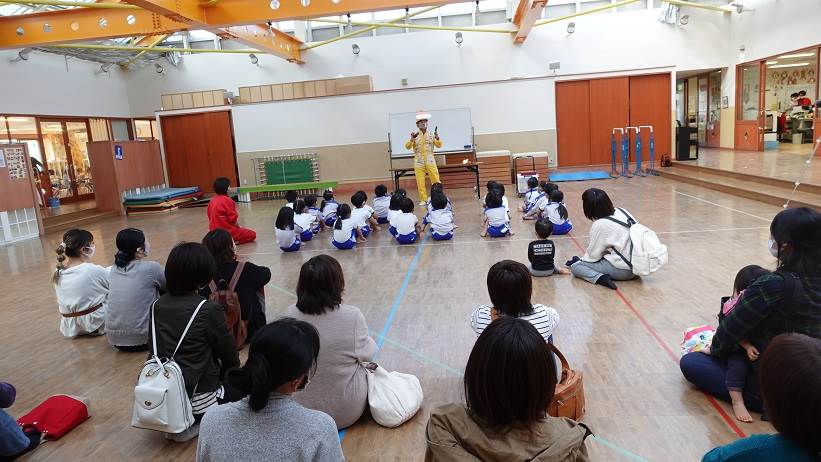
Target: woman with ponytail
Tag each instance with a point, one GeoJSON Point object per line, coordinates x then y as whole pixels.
{"type": "Point", "coordinates": [81, 287]}
{"type": "Point", "coordinates": [134, 285]}
{"type": "Point", "coordinates": [267, 424]}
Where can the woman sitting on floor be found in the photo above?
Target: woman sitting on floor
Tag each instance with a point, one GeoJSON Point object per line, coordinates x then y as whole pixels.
{"type": "Point", "coordinates": [509, 383]}
{"type": "Point", "coordinates": [81, 287]}
{"type": "Point", "coordinates": [267, 424]}
{"type": "Point", "coordinates": [786, 300]}
{"type": "Point", "coordinates": [250, 284]}
{"type": "Point", "coordinates": [791, 387]}
{"type": "Point", "coordinates": [340, 386]}
{"type": "Point", "coordinates": [208, 349]}
{"type": "Point", "coordinates": [134, 284]}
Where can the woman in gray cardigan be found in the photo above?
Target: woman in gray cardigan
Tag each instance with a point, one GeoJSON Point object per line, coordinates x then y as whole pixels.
{"type": "Point", "coordinates": [340, 386]}
{"type": "Point", "coordinates": [134, 284]}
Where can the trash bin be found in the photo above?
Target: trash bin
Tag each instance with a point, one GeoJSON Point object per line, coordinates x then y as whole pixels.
{"type": "Point", "coordinates": [54, 202]}
{"type": "Point", "coordinates": [797, 138]}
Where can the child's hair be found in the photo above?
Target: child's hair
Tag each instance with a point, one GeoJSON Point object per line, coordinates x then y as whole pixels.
{"type": "Point", "coordinates": [407, 205]}
{"type": "Point", "coordinates": [299, 206]}
{"type": "Point", "coordinates": [436, 187]}
{"type": "Point", "coordinates": [747, 276]}
{"type": "Point", "coordinates": [285, 218]}
{"type": "Point", "coordinates": [380, 190]}
{"type": "Point", "coordinates": [320, 286]}
{"type": "Point", "coordinates": [510, 286]}
{"type": "Point", "coordinates": [280, 352]}
{"type": "Point", "coordinates": [438, 200]}
{"type": "Point", "coordinates": [221, 185]}
{"type": "Point", "coordinates": [342, 213]}
{"type": "Point", "coordinates": [544, 228]}
{"type": "Point", "coordinates": [401, 192]}
{"type": "Point", "coordinates": [327, 196]}
{"type": "Point", "coordinates": [557, 196]}
{"type": "Point", "coordinates": [493, 199]}
{"type": "Point", "coordinates": [74, 241]}
{"type": "Point", "coordinates": [220, 245]}
{"type": "Point", "coordinates": [310, 200]}
{"type": "Point", "coordinates": [396, 201]}
{"type": "Point", "coordinates": [129, 241]}
{"type": "Point", "coordinates": [290, 196]}
{"type": "Point", "coordinates": [549, 187]}
{"type": "Point", "coordinates": [359, 198]}
{"type": "Point", "coordinates": [496, 186]}
{"type": "Point", "coordinates": [532, 182]}
{"type": "Point", "coordinates": [189, 267]}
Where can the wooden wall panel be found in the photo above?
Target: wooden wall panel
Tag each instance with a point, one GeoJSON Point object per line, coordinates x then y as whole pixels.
{"type": "Point", "coordinates": [650, 104]}
{"type": "Point", "coordinates": [140, 166]}
{"type": "Point", "coordinates": [18, 193]}
{"type": "Point", "coordinates": [100, 155]}
{"type": "Point", "coordinates": [714, 135]}
{"type": "Point", "coordinates": [609, 108]}
{"type": "Point", "coordinates": [573, 123]}
{"type": "Point", "coordinates": [198, 149]}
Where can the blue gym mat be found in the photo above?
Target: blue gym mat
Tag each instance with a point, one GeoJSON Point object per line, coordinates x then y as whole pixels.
{"type": "Point", "coordinates": [578, 176]}
{"type": "Point", "coordinates": [161, 194]}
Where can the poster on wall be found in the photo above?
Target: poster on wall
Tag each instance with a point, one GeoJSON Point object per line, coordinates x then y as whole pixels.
{"type": "Point", "coordinates": [16, 163]}
{"type": "Point", "coordinates": [2, 159]}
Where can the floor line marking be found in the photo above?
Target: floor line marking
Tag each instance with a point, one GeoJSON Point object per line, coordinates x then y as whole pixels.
{"type": "Point", "coordinates": [420, 355]}
{"type": "Point", "coordinates": [724, 207]}
{"type": "Point", "coordinates": [727, 419]}
{"type": "Point", "coordinates": [619, 449]}
{"type": "Point", "coordinates": [282, 289]}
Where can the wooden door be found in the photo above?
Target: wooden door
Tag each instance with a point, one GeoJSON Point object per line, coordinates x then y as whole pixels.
{"type": "Point", "coordinates": [573, 123]}
{"type": "Point", "coordinates": [609, 108]}
{"type": "Point", "coordinates": [749, 125]}
{"type": "Point", "coordinates": [746, 135]}
{"type": "Point", "coordinates": [714, 109]}
{"type": "Point", "coordinates": [198, 149]}
{"type": "Point", "coordinates": [650, 105]}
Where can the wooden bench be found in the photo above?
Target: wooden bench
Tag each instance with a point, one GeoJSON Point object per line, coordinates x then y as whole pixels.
{"type": "Point", "coordinates": [246, 191]}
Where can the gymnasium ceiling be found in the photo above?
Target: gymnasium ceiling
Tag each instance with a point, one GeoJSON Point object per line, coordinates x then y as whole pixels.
{"type": "Point", "coordinates": [138, 32]}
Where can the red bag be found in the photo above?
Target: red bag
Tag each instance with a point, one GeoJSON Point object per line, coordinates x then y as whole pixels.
{"type": "Point", "coordinates": [56, 416]}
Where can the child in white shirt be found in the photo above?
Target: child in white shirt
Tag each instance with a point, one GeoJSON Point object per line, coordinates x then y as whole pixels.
{"type": "Point", "coordinates": [406, 223]}
{"type": "Point", "coordinates": [395, 209]}
{"type": "Point", "coordinates": [556, 212]}
{"type": "Point", "coordinates": [328, 208]}
{"type": "Point", "coordinates": [363, 215]}
{"type": "Point", "coordinates": [290, 198]}
{"type": "Point", "coordinates": [533, 195]}
{"type": "Point", "coordinates": [286, 235]}
{"type": "Point", "coordinates": [305, 223]}
{"type": "Point", "coordinates": [440, 218]}
{"type": "Point", "coordinates": [346, 233]}
{"type": "Point", "coordinates": [497, 220]}
{"type": "Point", "coordinates": [381, 203]}
{"type": "Point", "coordinates": [310, 204]}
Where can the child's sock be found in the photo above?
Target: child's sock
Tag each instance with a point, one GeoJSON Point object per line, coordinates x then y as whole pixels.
{"type": "Point", "coordinates": [605, 281]}
{"type": "Point", "coordinates": [570, 262]}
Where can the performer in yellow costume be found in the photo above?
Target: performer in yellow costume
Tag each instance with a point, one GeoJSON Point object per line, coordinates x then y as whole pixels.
{"type": "Point", "coordinates": [424, 162]}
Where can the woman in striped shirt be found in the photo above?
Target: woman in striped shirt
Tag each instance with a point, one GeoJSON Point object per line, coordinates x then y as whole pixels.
{"type": "Point", "coordinates": [510, 286]}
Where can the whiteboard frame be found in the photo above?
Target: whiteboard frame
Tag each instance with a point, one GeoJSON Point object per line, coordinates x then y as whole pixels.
{"type": "Point", "coordinates": [391, 158]}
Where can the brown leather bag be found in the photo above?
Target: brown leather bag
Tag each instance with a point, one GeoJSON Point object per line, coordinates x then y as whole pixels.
{"type": "Point", "coordinates": [228, 298]}
{"type": "Point", "coordinates": [568, 401]}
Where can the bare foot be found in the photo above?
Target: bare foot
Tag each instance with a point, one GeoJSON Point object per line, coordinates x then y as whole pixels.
{"type": "Point", "coordinates": [483, 235]}
{"type": "Point", "coordinates": [510, 233]}
{"type": "Point", "coordinates": [455, 226]}
{"type": "Point", "coordinates": [740, 410]}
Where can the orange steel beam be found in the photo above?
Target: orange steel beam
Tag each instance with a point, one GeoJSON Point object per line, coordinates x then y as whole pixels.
{"type": "Point", "coordinates": [265, 39]}
{"type": "Point", "coordinates": [149, 40]}
{"type": "Point", "coordinates": [528, 12]}
{"type": "Point", "coordinates": [169, 16]}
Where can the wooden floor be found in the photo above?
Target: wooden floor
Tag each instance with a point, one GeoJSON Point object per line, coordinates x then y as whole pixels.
{"type": "Point", "coordinates": [788, 162]}
{"type": "Point", "coordinates": [419, 297]}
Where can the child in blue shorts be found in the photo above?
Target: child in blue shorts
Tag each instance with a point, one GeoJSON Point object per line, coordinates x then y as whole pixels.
{"type": "Point", "coordinates": [407, 224]}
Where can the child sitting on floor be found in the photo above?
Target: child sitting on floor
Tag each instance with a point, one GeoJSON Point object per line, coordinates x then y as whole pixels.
{"type": "Point", "coordinates": [540, 201]}
{"type": "Point", "coordinates": [305, 223]}
{"type": "Point", "coordinates": [499, 188]}
{"type": "Point", "coordinates": [346, 234]}
{"type": "Point", "coordinates": [406, 223]}
{"type": "Point", "coordinates": [497, 221]}
{"type": "Point", "coordinates": [395, 209]}
{"type": "Point", "coordinates": [222, 213]}
{"type": "Point", "coordinates": [439, 218]}
{"type": "Point", "coordinates": [542, 251]}
{"type": "Point", "coordinates": [310, 204]}
{"type": "Point", "coordinates": [286, 234]}
{"type": "Point", "coordinates": [290, 198]}
{"type": "Point", "coordinates": [362, 214]}
{"type": "Point", "coordinates": [533, 194]}
{"type": "Point", "coordinates": [740, 362]}
{"type": "Point", "coordinates": [381, 203]}
{"type": "Point", "coordinates": [556, 212]}
{"type": "Point", "coordinates": [328, 208]}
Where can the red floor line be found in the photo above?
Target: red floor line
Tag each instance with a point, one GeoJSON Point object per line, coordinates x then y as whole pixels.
{"type": "Point", "coordinates": [727, 419]}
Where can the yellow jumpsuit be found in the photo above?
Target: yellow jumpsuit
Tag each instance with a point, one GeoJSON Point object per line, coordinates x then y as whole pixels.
{"type": "Point", "coordinates": [424, 160]}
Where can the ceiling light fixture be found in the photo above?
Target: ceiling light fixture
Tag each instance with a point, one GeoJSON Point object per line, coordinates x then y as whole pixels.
{"type": "Point", "coordinates": [770, 63]}
{"type": "Point", "coordinates": [684, 19]}
{"type": "Point", "coordinates": [305, 3]}
{"type": "Point", "coordinates": [476, 10]}
{"type": "Point", "coordinates": [796, 55]}
{"type": "Point", "coordinates": [24, 54]}
{"type": "Point", "coordinates": [335, 2]}
{"type": "Point", "coordinates": [254, 59]}
{"type": "Point", "coordinates": [274, 4]}
{"type": "Point", "coordinates": [571, 27]}
{"type": "Point", "coordinates": [158, 67]}
{"type": "Point", "coordinates": [104, 68]}
{"type": "Point", "coordinates": [459, 38]}
{"type": "Point", "coordinates": [790, 65]}
{"type": "Point", "coordinates": [355, 48]}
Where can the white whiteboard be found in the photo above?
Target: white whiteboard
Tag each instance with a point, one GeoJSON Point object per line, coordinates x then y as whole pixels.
{"type": "Point", "coordinates": [455, 130]}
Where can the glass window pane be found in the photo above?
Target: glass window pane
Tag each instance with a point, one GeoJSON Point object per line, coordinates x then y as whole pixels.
{"type": "Point", "coordinates": [324, 33]}
{"type": "Point", "coordinates": [556, 11]}
{"type": "Point", "coordinates": [692, 101]}
{"type": "Point", "coordinates": [715, 99]}
{"type": "Point", "coordinates": [491, 17]}
{"type": "Point", "coordinates": [155, 131]}
{"type": "Point", "coordinates": [680, 101]}
{"type": "Point", "coordinates": [750, 74]}
{"type": "Point", "coordinates": [389, 31]}
{"type": "Point", "coordinates": [77, 141]}
{"type": "Point", "coordinates": [120, 130]}
{"type": "Point", "coordinates": [143, 129]}
{"type": "Point", "coordinates": [702, 110]}
{"type": "Point", "coordinates": [424, 22]}
{"type": "Point", "coordinates": [458, 8]}
{"type": "Point", "coordinates": [22, 126]}
{"type": "Point", "coordinates": [4, 134]}
{"type": "Point", "coordinates": [587, 6]}
{"type": "Point", "coordinates": [429, 14]}
{"type": "Point", "coordinates": [640, 5]}
{"type": "Point", "coordinates": [460, 20]}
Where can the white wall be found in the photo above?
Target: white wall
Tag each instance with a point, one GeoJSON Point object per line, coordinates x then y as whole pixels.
{"type": "Point", "coordinates": [43, 85]}
{"type": "Point", "coordinates": [602, 42]}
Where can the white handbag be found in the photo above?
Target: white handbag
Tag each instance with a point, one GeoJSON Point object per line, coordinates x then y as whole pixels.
{"type": "Point", "coordinates": [394, 397]}
{"type": "Point", "coordinates": [160, 400]}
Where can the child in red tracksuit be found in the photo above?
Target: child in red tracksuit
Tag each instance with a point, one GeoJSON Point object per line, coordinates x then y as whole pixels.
{"type": "Point", "coordinates": [222, 213]}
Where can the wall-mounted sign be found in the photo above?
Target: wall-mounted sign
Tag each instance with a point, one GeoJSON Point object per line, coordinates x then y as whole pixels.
{"type": "Point", "coordinates": [16, 163]}
{"type": "Point", "coordinates": [2, 159]}
{"type": "Point", "coordinates": [118, 152]}
{"type": "Point", "coordinates": [725, 102]}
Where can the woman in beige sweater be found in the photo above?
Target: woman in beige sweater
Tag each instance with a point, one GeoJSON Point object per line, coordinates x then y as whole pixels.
{"type": "Point", "coordinates": [340, 386]}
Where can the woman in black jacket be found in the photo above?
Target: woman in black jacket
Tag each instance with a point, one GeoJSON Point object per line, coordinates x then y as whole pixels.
{"type": "Point", "coordinates": [208, 349]}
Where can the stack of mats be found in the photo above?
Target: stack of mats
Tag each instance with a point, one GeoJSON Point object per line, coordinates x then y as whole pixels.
{"type": "Point", "coordinates": [161, 200]}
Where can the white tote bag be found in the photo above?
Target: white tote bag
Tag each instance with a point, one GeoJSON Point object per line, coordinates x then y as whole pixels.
{"type": "Point", "coordinates": [394, 397]}
{"type": "Point", "coordinates": [160, 400]}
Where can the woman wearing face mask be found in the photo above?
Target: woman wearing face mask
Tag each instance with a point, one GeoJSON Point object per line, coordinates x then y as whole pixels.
{"type": "Point", "coordinates": [81, 287]}
{"type": "Point", "coordinates": [787, 300]}
{"type": "Point", "coordinates": [134, 284]}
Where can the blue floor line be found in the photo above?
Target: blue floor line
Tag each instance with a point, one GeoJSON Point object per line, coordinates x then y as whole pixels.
{"type": "Point", "coordinates": [420, 355]}
{"type": "Point", "coordinates": [281, 289]}
{"type": "Point", "coordinates": [619, 449]}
